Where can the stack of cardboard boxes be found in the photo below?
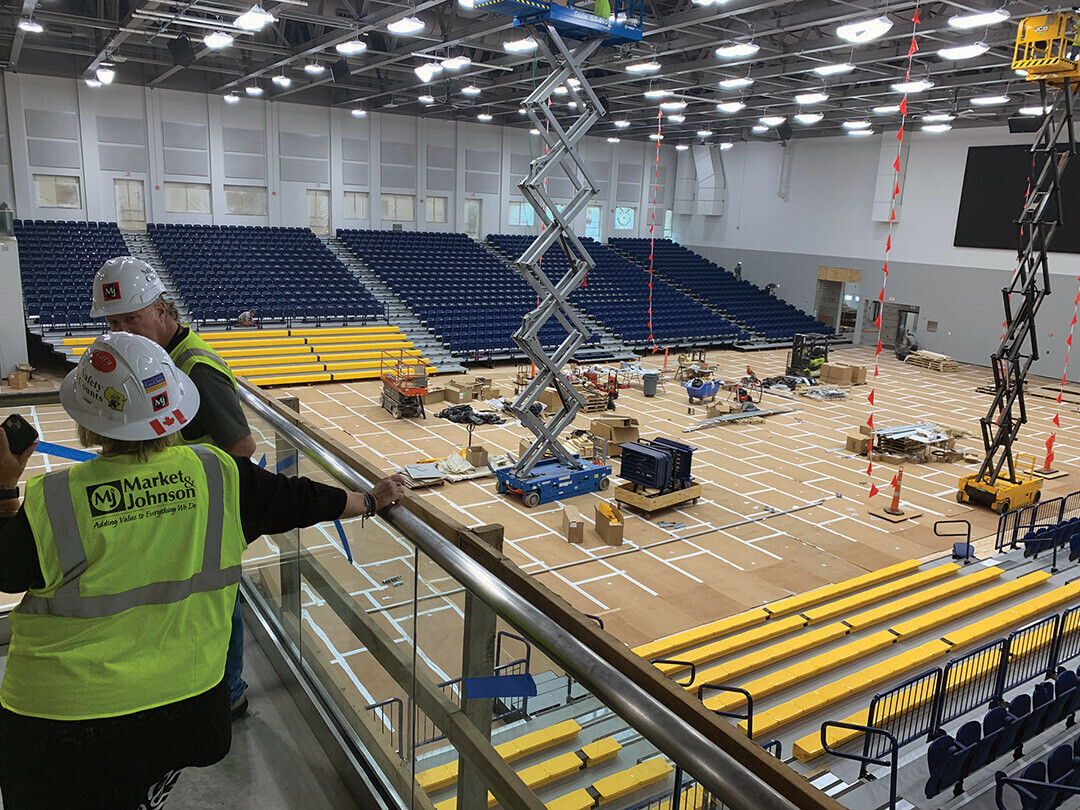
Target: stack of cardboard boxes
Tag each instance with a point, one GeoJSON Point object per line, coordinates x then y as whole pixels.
{"type": "Point", "coordinates": [616, 430]}
{"type": "Point", "coordinates": [842, 375]}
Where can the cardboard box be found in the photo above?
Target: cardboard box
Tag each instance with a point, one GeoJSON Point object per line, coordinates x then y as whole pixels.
{"type": "Point", "coordinates": [18, 379]}
{"type": "Point", "coordinates": [836, 374]}
{"type": "Point", "coordinates": [858, 376]}
{"type": "Point", "coordinates": [715, 409]}
{"type": "Point", "coordinates": [616, 430]}
{"type": "Point", "coordinates": [477, 455]}
{"type": "Point", "coordinates": [857, 443]}
{"type": "Point", "coordinates": [865, 430]}
{"type": "Point", "coordinates": [455, 395]}
{"type": "Point", "coordinates": [434, 395]}
{"type": "Point", "coordinates": [610, 531]}
{"type": "Point", "coordinates": [29, 369]}
{"type": "Point", "coordinates": [573, 527]}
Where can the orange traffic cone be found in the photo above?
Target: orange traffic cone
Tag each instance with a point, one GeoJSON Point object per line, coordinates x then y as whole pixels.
{"type": "Point", "coordinates": [894, 508]}
{"type": "Point", "coordinates": [665, 356]}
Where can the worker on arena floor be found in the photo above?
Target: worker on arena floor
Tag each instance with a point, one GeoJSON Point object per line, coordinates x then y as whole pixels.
{"type": "Point", "coordinates": [130, 295]}
{"type": "Point", "coordinates": [130, 564]}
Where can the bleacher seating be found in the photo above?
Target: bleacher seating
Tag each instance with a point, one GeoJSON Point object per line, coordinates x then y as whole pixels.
{"type": "Point", "coordinates": [58, 261]}
{"type": "Point", "coordinates": [616, 293]}
{"type": "Point", "coordinates": [473, 301]}
{"type": "Point", "coordinates": [1062, 768]}
{"type": "Point", "coordinates": [285, 273]}
{"type": "Point", "coordinates": [740, 300]}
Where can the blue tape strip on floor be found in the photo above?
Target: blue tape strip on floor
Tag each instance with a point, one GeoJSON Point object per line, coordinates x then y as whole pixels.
{"type": "Point", "coordinates": [344, 540]}
{"type": "Point", "coordinates": [285, 463]}
{"type": "Point", "coordinates": [59, 451]}
{"type": "Point", "coordinates": [499, 686]}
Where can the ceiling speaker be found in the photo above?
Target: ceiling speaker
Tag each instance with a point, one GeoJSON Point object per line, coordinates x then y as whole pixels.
{"type": "Point", "coordinates": [784, 131]}
{"type": "Point", "coordinates": [182, 52]}
{"type": "Point", "coordinates": [1025, 123]}
{"type": "Point", "coordinates": [340, 70]}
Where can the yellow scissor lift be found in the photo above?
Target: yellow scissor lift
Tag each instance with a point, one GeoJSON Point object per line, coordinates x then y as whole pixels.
{"type": "Point", "coordinates": [1047, 48]}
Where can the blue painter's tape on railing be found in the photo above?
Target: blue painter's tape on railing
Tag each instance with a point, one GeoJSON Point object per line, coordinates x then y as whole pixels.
{"type": "Point", "coordinates": [344, 540]}
{"type": "Point", "coordinates": [59, 451]}
{"type": "Point", "coordinates": [499, 686]}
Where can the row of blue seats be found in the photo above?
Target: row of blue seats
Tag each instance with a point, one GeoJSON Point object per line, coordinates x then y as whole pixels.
{"type": "Point", "coordinates": [1061, 768]}
{"type": "Point", "coordinates": [183, 228]}
{"type": "Point", "coordinates": [1036, 541]}
{"type": "Point", "coordinates": [950, 758]}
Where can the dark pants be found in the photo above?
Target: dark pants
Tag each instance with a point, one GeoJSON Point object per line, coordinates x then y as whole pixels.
{"type": "Point", "coordinates": [234, 659]}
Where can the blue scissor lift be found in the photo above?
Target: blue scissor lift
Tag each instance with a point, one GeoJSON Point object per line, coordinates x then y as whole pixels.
{"type": "Point", "coordinates": [553, 25]}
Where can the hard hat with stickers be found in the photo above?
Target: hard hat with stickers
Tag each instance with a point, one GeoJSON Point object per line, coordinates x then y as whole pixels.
{"type": "Point", "coordinates": [127, 387]}
{"type": "Point", "coordinates": [124, 284]}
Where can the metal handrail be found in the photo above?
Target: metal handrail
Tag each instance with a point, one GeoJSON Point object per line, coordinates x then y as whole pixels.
{"type": "Point", "coordinates": [719, 771]}
{"type": "Point", "coordinates": [892, 761]}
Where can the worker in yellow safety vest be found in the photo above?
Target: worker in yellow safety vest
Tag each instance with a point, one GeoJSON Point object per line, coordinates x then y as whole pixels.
{"type": "Point", "coordinates": [130, 295]}
{"type": "Point", "coordinates": [130, 563]}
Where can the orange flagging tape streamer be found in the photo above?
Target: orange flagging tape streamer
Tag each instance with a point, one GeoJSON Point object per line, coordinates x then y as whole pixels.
{"type": "Point", "coordinates": [912, 50]}
{"type": "Point", "coordinates": [652, 222]}
{"type": "Point", "coordinates": [1061, 388]}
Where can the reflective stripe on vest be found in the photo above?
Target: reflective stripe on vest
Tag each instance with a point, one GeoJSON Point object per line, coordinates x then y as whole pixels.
{"type": "Point", "coordinates": [71, 554]}
{"type": "Point", "coordinates": [193, 353]}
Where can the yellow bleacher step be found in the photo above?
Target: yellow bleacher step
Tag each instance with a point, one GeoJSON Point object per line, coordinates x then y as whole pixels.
{"type": "Point", "coordinates": [305, 355]}
{"type": "Point", "coordinates": [792, 604]}
{"type": "Point", "coordinates": [859, 600]}
{"type": "Point", "coordinates": [314, 330]}
{"type": "Point", "coordinates": [998, 623]}
{"type": "Point", "coordinates": [772, 654]}
{"type": "Point", "coordinates": [556, 768]}
{"type": "Point", "coordinates": [740, 641]}
{"type": "Point", "coordinates": [767, 685]}
{"type": "Point", "coordinates": [892, 610]}
{"type": "Point", "coordinates": [324, 377]}
{"type": "Point", "coordinates": [512, 750]}
{"type": "Point", "coordinates": [615, 786]}
{"type": "Point", "coordinates": [374, 351]}
{"type": "Point", "coordinates": [313, 363]}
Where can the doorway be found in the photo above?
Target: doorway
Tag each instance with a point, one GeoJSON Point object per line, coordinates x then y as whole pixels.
{"type": "Point", "coordinates": [907, 320]}
{"type": "Point", "coordinates": [836, 301]}
{"type": "Point", "coordinates": [592, 222]}
{"type": "Point", "coordinates": [318, 204]}
{"type": "Point", "coordinates": [473, 217]}
{"type": "Point", "coordinates": [130, 205]}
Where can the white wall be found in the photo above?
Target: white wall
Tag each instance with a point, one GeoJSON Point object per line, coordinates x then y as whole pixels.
{"type": "Point", "coordinates": [826, 219]}
{"type": "Point", "coordinates": [62, 127]}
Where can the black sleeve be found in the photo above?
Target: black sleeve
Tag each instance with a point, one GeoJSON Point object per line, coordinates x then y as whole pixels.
{"type": "Point", "coordinates": [271, 503]}
{"type": "Point", "coordinates": [20, 567]}
{"type": "Point", "coordinates": [220, 413]}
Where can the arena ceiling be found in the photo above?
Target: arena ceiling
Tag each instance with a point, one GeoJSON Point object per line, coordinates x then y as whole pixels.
{"type": "Point", "coordinates": [139, 41]}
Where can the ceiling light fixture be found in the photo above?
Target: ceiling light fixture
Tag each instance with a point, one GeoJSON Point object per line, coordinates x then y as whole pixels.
{"type": "Point", "coordinates": [426, 99]}
{"type": "Point", "coordinates": [860, 133]}
{"type": "Point", "coordinates": [772, 120]}
{"type": "Point", "coordinates": [809, 118]}
{"type": "Point", "coordinates": [426, 72]}
{"type": "Point", "coordinates": [653, 93]}
{"type": "Point", "coordinates": [534, 131]}
{"type": "Point", "coordinates": [936, 128]}
{"type": "Point", "coordinates": [682, 147]}
{"type": "Point", "coordinates": [676, 119]}
{"type": "Point", "coordinates": [613, 140]}
{"type": "Point", "coordinates": [105, 74]}
{"type": "Point", "coordinates": [811, 98]}
{"type": "Point", "coordinates": [232, 98]}
{"type": "Point", "coordinates": [737, 50]}
{"type": "Point", "coordinates": [314, 68]}
{"type": "Point", "coordinates": [92, 82]}
{"type": "Point", "coordinates": [281, 80]}
{"type": "Point", "coordinates": [727, 145]}
{"type": "Point", "coordinates": [471, 90]}
{"type": "Point", "coordinates": [1020, 72]}
{"type": "Point", "coordinates": [522, 111]}
{"type": "Point", "coordinates": [987, 101]}
{"type": "Point", "coordinates": [520, 45]}
{"type": "Point", "coordinates": [963, 51]}
{"type": "Point", "coordinates": [938, 118]}
{"type": "Point", "coordinates": [467, 3]}
{"type": "Point", "coordinates": [833, 70]}
{"type": "Point", "coordinates": [759, 128]}
{"type": "Point", "coordinates": [254, 19]}
{"type": "Point", "coordinates": [561, 91]}
{"type": "Point", "coordinates": [656, 136]}
{"type": "Point", "coordinates": [643, 67]}
{"type": "Point", "coordinates": [351, 47]}
{"type": "Point", "coordinates": [406, 25]}
{"type": "Point", "coordinates": [456, 62]}
{"type": "Point", "coordinates": [217, 39]}
{"type": "Point", "coordinates": [707, 3]}
{"type": "Point", "coordinates": [704, 133]}
{"type": "Point", "coordinates": [856, 125]}
{"type": "Point", "coordinates": [735, 84]}
{"type": "Point", "coordinates": [30, 25]}
{"type": "Point", "coordinates": [1035, 110]}
{"type": "Point", "coordinates": [358, 112]}
{"type": "Point", "coordinates": [253, 90]}
{"type": "Point", "coordinates": [730, 106]}
{"type": "Point", "coordinates": [864, 30]}
{"type": "Point", "coordinates": [916, 86]}
{"type": "Point", "coordinates": [483, 116]}
{"type": "Point", "coordinates": [622, 123]}
{"type": "Point", "coordinates": [967, 21]}
{"type": "Point", "coordinates": [886, 109]}
{"type": "Point", "coordinates": [573, 82]}
{"type": "Point", "coordinates": [673, 105]}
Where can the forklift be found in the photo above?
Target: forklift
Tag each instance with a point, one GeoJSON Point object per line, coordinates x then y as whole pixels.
{"type": "Point", "coordinates": [1045, 50]}
{"type": "Point", "coordinates": [809, 352]}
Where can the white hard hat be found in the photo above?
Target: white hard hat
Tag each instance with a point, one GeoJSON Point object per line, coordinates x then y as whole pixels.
{"type": "Point", "coordinates": [126, 387]}
{"type": "Point", "coordinates": [124, 284]}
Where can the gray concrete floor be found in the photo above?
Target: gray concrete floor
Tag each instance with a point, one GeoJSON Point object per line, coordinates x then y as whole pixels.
{"type": "Point", "coordinates": [275, 762]}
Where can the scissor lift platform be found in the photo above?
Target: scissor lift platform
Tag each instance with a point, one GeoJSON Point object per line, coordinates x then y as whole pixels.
{"type": "Point", "coordinates": [570, 22]}
{"type": "Point", "coordinates": [552, 480]}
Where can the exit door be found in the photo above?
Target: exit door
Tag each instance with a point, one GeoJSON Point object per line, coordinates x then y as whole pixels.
{"type": "Point", "coordinates": [473, 218]}
{"type": "Point", "coordinates": [318, 203]}
{"type": "Point", "coordinates": [907, 321]}
{"type": "Point", "coordinates": [130, 205]}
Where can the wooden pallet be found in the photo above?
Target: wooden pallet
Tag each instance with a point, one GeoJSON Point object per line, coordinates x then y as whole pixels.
{"type": "Point", "coordinates": [932, 361]}
{"type": "Point", "coordinates": [650, 500]}
{"type": "Point", "coordinates": [1070, 394]}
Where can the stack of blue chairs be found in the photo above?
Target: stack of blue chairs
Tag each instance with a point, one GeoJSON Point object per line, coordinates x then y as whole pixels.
{"type": "Point", "coordinates": [1004, 729]}
{"type": "Point", "coordinates": [58, 261]}
{"type": "Point", "coordinates": [1062, 767]}
{"type": "Point", "coordinates": [285, 273]}
{"type": "Point", "coordinates": [740, 300]}
{"type": "Point", "coordinates": [617, 294]}
{"type": "Point", "coordinates": [468, 297]}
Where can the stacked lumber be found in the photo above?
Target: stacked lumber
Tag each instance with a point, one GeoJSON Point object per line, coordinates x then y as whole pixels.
{"type": "Point", "coordinates": [932, 361]}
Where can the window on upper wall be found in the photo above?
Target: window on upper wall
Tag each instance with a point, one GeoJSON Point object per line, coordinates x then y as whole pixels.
{"type": "Point", "coordinates": [357, 205]}
{"type": "Point", "coordinates": [246, 201]}
{"type": "Point", "coordinates": [522, 214]}
{"type": "Point", "coordinates": [669, 217]}
{"type": "Point", "coordinates": [57, 191]}
{"type": "Point", "coordinates": [398, 207]}
{"type": "Point", "coordinates": [187, 198]}
{"type": "Point", "coordinates": [624, 218]}
{"type": "Point", "coordinates": [592, 221]}
{"type": "Point", "coordinates": [436, 208]}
